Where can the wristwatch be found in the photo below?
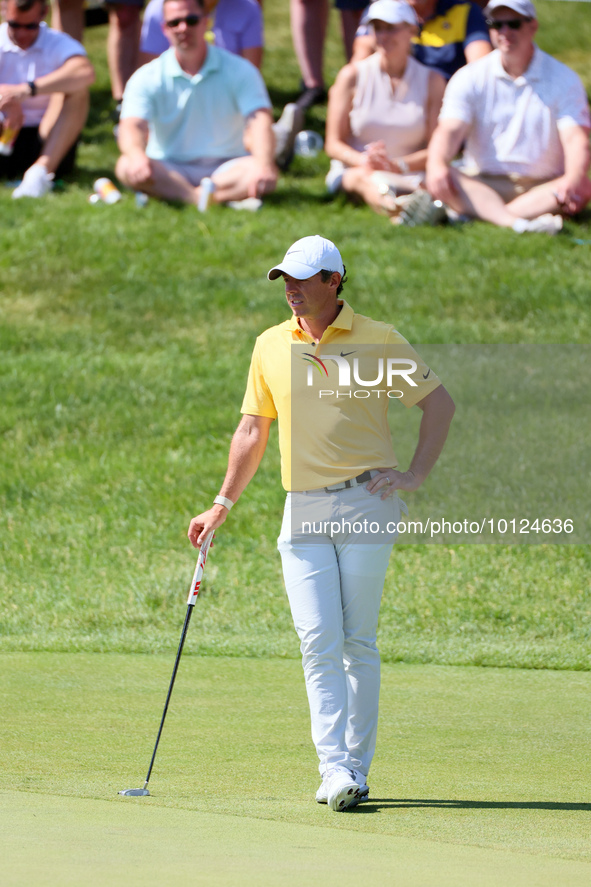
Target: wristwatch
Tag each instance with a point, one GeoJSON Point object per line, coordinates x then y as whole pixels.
{"type": "Point", "coordinates": [32, 87]}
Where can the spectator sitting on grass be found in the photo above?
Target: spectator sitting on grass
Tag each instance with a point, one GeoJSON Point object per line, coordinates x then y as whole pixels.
{"type": "Point", "coordinates": [524, 118]}
{"type": "Point", "coordinates": [235, 25]}
{"type": "Point", "coordinates": [381, 113]}
{"type": "Point", "coordinates": [196, 122]}
{"type": "Point", "coordinates": [44, 80]}
{"type": "Point", "coordinates": [452, 34]}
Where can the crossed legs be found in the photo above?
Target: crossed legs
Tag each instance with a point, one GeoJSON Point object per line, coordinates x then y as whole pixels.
{"type": "Point", "coordinates": [362, 182]}
{"type": "Point", "coordinates": [478, 199]}
{"type": "Point", "coordinates": [168, 183]}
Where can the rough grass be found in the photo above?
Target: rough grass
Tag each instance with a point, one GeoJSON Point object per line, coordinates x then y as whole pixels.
{"type": "Point", "coordinates": [125, 337]}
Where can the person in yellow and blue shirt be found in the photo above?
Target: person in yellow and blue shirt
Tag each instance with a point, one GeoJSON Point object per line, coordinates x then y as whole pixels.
{"type": "Point", "coordinates": [452, 34]}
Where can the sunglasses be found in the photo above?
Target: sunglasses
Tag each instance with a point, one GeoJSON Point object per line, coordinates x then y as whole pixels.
{"type": "Point", "coordinates": [31, 26]}
{"type": "Point", "coordinates": [189, 20]}
{"type": "Point", "coordinates": [513, 23]}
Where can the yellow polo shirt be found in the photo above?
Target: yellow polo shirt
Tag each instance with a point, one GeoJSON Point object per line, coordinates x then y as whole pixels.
{"type": "Point", "coordinates": [331, 399]}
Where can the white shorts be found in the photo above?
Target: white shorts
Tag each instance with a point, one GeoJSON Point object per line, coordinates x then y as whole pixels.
{"type": "Point", "coordinates": [201, 168]}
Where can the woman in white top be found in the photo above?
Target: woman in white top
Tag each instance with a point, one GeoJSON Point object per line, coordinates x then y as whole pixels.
{"type": "Point", "coordinates": [381, 114]}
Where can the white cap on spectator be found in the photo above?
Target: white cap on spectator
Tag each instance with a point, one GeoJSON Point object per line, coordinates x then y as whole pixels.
{"type": "Point", "coordinates": [523, 7]}
{"type": "Point", "coordinates": [394, 12]}
{"type": "Point", "coordinates": [308, 256]}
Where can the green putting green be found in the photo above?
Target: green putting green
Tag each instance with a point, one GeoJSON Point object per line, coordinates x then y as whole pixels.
{"type": "Point", "coordinates": [480, 776]}
{"type": "Point", "coordinates": [71, 841]}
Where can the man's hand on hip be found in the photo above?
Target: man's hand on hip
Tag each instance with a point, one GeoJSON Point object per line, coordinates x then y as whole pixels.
{"type": "Point", "coordinates": [389, 480]}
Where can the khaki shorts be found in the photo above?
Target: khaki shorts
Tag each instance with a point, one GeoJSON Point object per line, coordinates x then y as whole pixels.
{"type": "Point", "coordinates": [510, 186]}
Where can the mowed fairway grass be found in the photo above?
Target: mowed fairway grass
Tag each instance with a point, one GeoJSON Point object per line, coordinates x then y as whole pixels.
{"type": "Point", "coordinates": [125, 337]}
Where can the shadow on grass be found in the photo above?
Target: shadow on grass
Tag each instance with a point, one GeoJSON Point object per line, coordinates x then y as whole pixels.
{"type": "Point", "coordinates": [377, 804]}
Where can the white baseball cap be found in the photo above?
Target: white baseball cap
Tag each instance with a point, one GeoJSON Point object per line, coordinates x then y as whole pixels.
{"type": "Point", "coordinates": [308, 256]}
{"type": "Point", "coordinates": [394, 12]}
{"type": "Point", "coordinates": [523, 7]}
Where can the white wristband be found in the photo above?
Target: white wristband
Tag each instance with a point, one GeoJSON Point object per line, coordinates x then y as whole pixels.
{"type": "Point", "coordinates": [223, 500]}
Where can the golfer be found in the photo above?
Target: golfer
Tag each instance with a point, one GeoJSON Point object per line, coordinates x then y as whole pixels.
{"type": "Point", "coordinates": [328, 375]}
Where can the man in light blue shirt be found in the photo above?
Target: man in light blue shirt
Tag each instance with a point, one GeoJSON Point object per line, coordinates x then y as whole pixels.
{"type": "Point", "coordinates": [196, 122]}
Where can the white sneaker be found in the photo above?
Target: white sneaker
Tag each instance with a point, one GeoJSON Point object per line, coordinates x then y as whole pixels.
{"type": "Point", "coordinates": [250, 204]}
{"type": "Point", "coordinates": [546, 224]}
{"type": "Point", "coordinates": [206, 189]}
{"type": "Point", "coordinates": [341, 789]}
{"type": "Point", "coordinates": [286, 129]}
{"type": "Point", "coordinates": [420, 209]}
{"type": "Point", "coordinates": [334, 176]}
{"type": "Point", "coordinates": [37, 182]}
{"type": "Point", "coordinates": [360, 779]}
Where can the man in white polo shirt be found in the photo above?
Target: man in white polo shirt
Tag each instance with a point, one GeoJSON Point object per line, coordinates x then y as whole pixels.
{"type": "Point", "coordinates": [196, 122]}
{"type": "Point", "coordinates": [327, 375]}
{"type": "Point", "coordinates": [524, 118]}
{"type": "Point", "coordinates": [44, 80]}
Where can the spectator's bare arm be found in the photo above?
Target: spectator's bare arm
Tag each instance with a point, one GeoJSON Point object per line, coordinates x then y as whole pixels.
{"type": "Point", "coordinates": [76, 73]}
{"type": "Point", "coordinates": [338, 130]}
{"type": "Point", "coordinates": [573, 188]}
{"type": "Point", "coordinates": [259, 141]}
{"type": "Point", "coordinates": [443, 147]}
{"type": "Point", "coordinates": [133, 139]}
{"type": "Point", "coordinates": [254, 55]}
{"type": "Point", "coordinates": [476, 49]}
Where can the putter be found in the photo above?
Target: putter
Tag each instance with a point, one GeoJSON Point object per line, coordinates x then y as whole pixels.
{"type": "Point", "coordinates": [193, 593]}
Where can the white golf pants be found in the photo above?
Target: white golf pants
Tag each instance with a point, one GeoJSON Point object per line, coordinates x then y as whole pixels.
{"type": "Point", "coordinates": [334, 583]}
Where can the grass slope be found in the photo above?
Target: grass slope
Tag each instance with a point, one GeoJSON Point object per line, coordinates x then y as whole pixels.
{"type": "Point", "coordinates": [125, 337]}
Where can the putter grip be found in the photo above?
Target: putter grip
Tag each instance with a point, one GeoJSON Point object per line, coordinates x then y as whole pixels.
{"type": "Point", "coordinates": [198, 574]}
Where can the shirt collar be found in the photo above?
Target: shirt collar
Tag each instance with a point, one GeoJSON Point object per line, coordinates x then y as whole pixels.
{"type": "Point", "coordinates": [533, 71]}
{"type": "Point", "coordinates": [343, 320]}
{"type": "Point", "coordinates": [172, 67]}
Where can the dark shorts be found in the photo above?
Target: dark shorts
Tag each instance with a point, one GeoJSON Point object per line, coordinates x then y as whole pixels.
{"type": "Point", "coordinates": [139, 3]}
{"type": "Point", "coordinates": [27, 149]}
{"type": "Point", "coordinates": [359, 5]}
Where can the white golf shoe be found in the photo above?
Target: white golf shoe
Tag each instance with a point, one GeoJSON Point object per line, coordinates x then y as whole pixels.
{"type": "Point", "coordinates": [342, 788]}
{"type": "Point", "coordinates": [37, 182]}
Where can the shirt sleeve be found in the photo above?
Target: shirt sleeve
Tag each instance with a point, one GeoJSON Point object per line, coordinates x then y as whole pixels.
{"type": "Point", "coordinates": [250, 90]}
{"type": "Point", "coordinates": [65, 47]}
{"type": "Point", "coordinates": [152, 39]}
{"type": "Point", "coordinates": [458, 101]}
{"type": "Point", "coordinates": [138, 100]}
{"type": "Point", "coordinates": [573, 107]}
{"type": "Point", "coordinates": [475, 26]}
{"type": "Point", "coordinates": [258, 400]}
{"type": "Point", "coordinates": [413, 378]}
{"type": "Point", "coordinates": [252, 34]}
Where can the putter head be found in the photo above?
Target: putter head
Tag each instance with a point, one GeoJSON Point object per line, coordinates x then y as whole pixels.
{"type": "Point", "coordinates": [134, 792]}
